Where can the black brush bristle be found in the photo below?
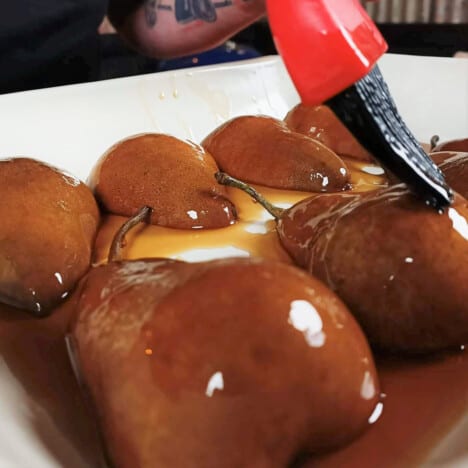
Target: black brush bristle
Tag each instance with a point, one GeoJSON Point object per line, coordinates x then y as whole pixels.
{"type": "Point", "coordinates": [368, 110]}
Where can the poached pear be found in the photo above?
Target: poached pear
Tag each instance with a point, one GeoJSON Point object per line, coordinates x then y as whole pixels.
{"type": "Point", "coordinates": [246, 361]}
{"type": "Point", "coordinates": [49, 222]}
{"type": "Point", "coordinates": [399, 265]}
{"type": "Point", "coordinates": [173, 177]}
{"type": "Point", "coordinates": [454, 166]}
{"type": "Point", "coordinates": [320, 123]}
{"type": "Point", "coordinates": [460, 145]}
{"type": "Point", "coordinates": [262, 150]}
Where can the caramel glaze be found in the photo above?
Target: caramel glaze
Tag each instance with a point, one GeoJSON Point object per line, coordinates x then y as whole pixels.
{"type": "Point", "coordinates": [171, 176]}
{"type": "Point", "coordinates": [424, 399]}
{"type": "Point", "coordinates": [453, 145]}
{"type": "Point", "coordinates": [35, 354]}
{"type": "Point", "coordinates": [262, 150]}
{"type": "Point", "coordinates": [47, 230]}
{"type": "Point", "coordinates": [377, 252]}
{"type": "Point", "coordinates": [207, 377]}
{"type": "Point", "coordinates": [320, 123]}
{"type": "Point", "coordinates": [253, 235]}
{"type": "Point", "coordinates": [455, 169]}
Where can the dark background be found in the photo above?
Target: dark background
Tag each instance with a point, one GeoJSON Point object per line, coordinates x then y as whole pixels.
{"type": "Point", "coordinates": [442, 40]}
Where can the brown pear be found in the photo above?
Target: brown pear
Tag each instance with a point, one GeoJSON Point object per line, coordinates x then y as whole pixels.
{"type": "Point", "coordinates": [173, 177]}
{"type": "Point", "coordinates": [400, 266]}
{"type": "Point", "coordinates": [235, 362]}
{"type": "Point", "coordinates": [262, 150]}
{"type": "Point", "coordinates": [321, 123]}
{"type": "Point", "coordinates": [452, 145]}
{"type": "Point", "coordinates": [49, 222]}
{"type": "Point", "coordinates": [454, 166]}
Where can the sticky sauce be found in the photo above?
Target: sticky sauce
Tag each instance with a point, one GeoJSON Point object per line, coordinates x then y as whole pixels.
{"type": "Point", "coordinates": [253, 235]}
{"type": "Point", "coordinates": [33, 356]}
{"type": "Point", "coordinates": [424, 399]}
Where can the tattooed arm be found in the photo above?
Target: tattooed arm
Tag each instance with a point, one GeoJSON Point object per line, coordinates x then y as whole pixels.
{"type": "Point", "coordinates": [171, 28]}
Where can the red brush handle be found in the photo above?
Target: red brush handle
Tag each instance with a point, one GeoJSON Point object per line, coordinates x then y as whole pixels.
{"type": "Point", "coordinates": [327, 45]}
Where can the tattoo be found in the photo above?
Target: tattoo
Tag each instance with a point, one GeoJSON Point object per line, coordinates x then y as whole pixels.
{"type": "Point", "coordinates": [190, 10]}
{"type": "Point", "coordinates": [186, 11]}
{"type": "Point", "coordinates": [150, 13]}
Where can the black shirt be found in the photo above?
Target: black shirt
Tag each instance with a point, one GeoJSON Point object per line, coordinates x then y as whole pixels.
{"type": "Point", "coordinates": [49, 42]}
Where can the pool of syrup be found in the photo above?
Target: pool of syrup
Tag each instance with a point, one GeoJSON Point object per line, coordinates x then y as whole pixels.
{"type": "Point", "coordinates": [424, 398]}
{"type": "Point", "coordinates": [253, 235]}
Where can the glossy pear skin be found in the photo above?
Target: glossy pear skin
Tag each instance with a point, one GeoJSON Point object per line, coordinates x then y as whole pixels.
{"type": "Point", "coordinates": [320, 123]}
{"type": "Point", "coordinates": [49, 222]}
{"type": "Point", "coordinates": [400, 266]}
{"type": "Point", "coordinates": [262, 150]}
{"type": "Point", "coordinates": [453, 145]}
{"type": "Point", "coordinates": [454, 166]}
{"type": "Point", "coordinates": [171, 176]}
{"type": "Point", "coordinates": [245, 361]}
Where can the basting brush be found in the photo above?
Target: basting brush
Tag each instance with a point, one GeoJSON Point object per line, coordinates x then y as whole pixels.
{"type": "Point", "coordinates": [330, 48]}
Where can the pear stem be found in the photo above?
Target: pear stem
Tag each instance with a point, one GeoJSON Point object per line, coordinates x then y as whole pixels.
{"type": "Point", "coordinates": [118, 243]}
{"type": "Point", "coordinates": [434, 141]}
{"type": "Point", "coordinates": [225, 179]}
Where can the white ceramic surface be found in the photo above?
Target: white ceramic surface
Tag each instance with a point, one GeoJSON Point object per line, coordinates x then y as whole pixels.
{"type": "Point", "coordinates": [72, 126]}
